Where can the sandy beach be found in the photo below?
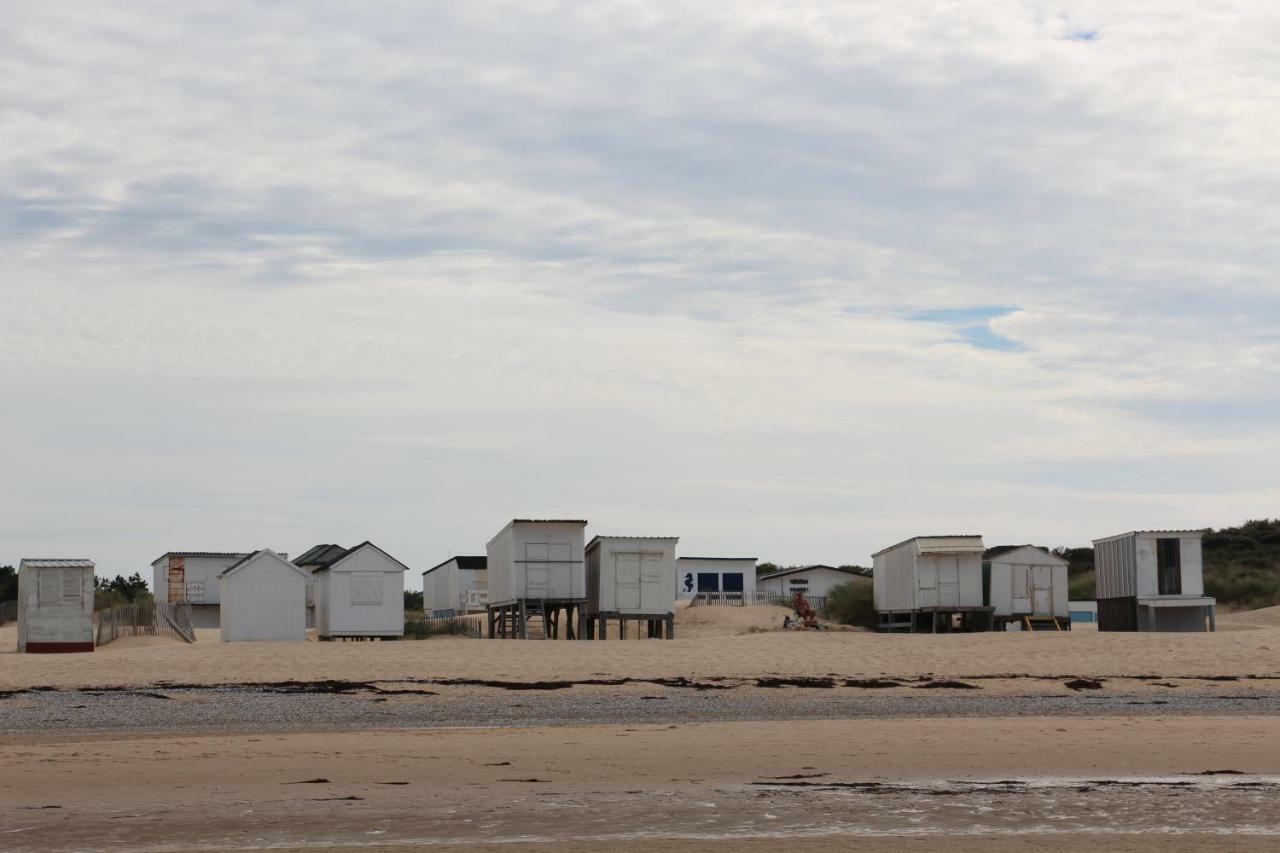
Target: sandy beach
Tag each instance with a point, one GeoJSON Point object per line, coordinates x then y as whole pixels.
{"type": "Point", "coordinates": [733, 737]}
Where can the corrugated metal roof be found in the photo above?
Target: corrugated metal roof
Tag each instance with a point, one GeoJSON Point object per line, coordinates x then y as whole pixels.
{"type": "Point", "coordinates": [1000, 550]}
{"type": "Point", "coordinates": [977, 536]}
{"type": "Point", "coordinates": [466, 564]}
{"type": "Point", "coordinates": [597, 538]}
{"type": "Point", "coordinates": [548, 521]}
{"type": "Point", "coordinates": [198, 554]}
{"type": "Point", "coordinates": [56, 563]}
{"type": "Point", "coordinates": [1149, 532]}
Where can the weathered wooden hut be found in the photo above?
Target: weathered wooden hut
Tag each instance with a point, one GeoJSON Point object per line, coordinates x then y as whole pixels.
{"type": "Point", "coordinates": [191, 577]}
{"type": "Point", "coordinates": [1028, 585]}
{"type": "Point", "coordinates": [55, 605]}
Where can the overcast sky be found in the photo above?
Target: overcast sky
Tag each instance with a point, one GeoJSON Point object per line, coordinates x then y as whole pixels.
{"type": "Point", "coordinates": [795, 280]}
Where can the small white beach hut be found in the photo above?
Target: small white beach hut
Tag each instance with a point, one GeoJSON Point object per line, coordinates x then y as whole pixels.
{"type": "Point", "coordinates": [631, 577]}
{"type": "Point", "coordinates": [360, 593]}
{"type": "Point", "coordinates": [810, 581]}
{"type": "Point", "coordinates": [458, 585]}
{"type": "Point", "coordinates": [1028, 581]}
{"type": "Point", "coordinates": [726, 578]}
{"type": "Point", "coordinates": [930, 576]}
{"type": "Point", "coordinates": [264, 597]}
{"type": "Point", "coordinates": [55, 605]}
{"type": "Point", "coordinates": [1152, 580]}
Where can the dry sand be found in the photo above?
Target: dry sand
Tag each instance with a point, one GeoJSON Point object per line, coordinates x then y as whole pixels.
{"type": "Point", "coordinates": [1251, 652]}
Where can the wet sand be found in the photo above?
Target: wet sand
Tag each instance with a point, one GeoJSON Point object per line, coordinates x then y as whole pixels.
{"type": "Point", "coordinates": [835, 784]}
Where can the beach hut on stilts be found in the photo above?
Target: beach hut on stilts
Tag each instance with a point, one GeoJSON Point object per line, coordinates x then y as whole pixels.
{"type": "Point", "coordinates": [537, 580]}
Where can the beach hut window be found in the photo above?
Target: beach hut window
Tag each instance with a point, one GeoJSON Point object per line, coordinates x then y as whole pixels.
{"type": "Point", "coordinates": [1169, 566]}
{"type": "Point", "coordinates": [366, 588]}
{"type": "Point", "coordinates": [49, 589]}
{"type": "Point", "coordinates": [72, 591]}
{"type": "Point", "coordinates": [1018, 574]}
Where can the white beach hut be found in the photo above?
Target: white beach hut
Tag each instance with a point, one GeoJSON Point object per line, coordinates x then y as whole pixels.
{"type": "Point", "coordinates": [722, 578]}
{"type": "Point", "coordinates": [458, 585]}
{"type": "Point", "coordinates": [191, 577]}
{"type": "Point", "coordinates": [1152, 580]}
{"type": "Point", "coordinates": [359, 593]}
{"type": "Point", "coordinates": [55, 605]}
{"type": "Point", "coordinates": [631, 578]}
{"type": "Point", "coordinates": [928, 580]}
{"type": "Point", "coordinates": [1026, 581]}
{"type": "Point", "coordinates": [535, 571]}
{"type": "Point", "coordinates": [811, 581]}
{"type": "Point", "coordinates": [264, 597]}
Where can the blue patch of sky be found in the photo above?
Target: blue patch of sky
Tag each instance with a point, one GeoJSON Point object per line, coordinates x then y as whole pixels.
{"type": "Point", "coordinates": [1083, 35]}
{"type": "Point", "coordinates": [983, 338]}
{"type": "Point", "coordinates": [971, 325]}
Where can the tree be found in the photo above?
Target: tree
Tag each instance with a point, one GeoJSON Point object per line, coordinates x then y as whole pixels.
{"type": "Point", "coordinates": [412, 601]}
{"type": "Point", "coordinates": [8, 583]}
{"type": "Point", "coordinates": [120, 590]}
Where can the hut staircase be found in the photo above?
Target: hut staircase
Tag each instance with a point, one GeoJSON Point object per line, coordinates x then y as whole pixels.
{"type": "Point", "coordinates": [532, 620]}
{"type": "Point", "coordinates": [1040, 623]}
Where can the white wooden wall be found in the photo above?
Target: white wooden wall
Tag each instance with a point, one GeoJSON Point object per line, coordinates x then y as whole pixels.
{"type": "Point", "coordinates": [264, 599]}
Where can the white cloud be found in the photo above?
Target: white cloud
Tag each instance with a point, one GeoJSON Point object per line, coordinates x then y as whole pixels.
{"type": "Point", "coordinates": [277, 276]}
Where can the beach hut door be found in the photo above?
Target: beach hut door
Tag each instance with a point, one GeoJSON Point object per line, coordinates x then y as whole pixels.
{"type": "Point", "coordinates": [949, 581]}
{"type": "Point", "coordinates": [1042, 590]}
{"type": "Point", "coordinates": [627, 584]}
{"type": "Point", "coordinates": [927, 581]}
{"type": "Point", "coordinates": [537, 569]}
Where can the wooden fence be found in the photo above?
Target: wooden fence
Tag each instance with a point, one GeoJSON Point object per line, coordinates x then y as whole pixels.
{"type": "Point", "coordinates": [421, 627]}
{"type": "Point", "coordinates": [145, 618]}
{"type": "Point", "coordinates": [749, 599]}
{"type": "Point", "coordinates": [8, 611]}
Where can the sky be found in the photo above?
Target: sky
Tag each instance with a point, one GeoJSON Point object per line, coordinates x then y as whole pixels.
{"type": "Point", "coordinates": [794, 280]}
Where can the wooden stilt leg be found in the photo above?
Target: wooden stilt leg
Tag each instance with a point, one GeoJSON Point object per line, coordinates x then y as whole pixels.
{"type": "Point", "coordinates": [671, 627]}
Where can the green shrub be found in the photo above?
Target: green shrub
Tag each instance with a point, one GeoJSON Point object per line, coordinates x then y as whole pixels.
{"type": "Point", "coordinates": [852, 604]}
{"type": "Point", "coordinates": [1081, 586]}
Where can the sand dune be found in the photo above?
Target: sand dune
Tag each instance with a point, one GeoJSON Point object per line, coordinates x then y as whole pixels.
{"type": "Point", "coordinates": [1266, 617]}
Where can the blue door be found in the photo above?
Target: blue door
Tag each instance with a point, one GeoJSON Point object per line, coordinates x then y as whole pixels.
{"type": "Point", "coordinates": [708, 582]}
{"type": "Point", "coordinates": [732, 582]}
